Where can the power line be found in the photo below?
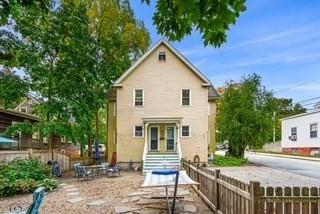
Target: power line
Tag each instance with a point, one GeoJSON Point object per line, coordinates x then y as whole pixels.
{"type": "Point", "coordinates": [294, 86]}
{"type": "Point", "coordinates": [308, 104]}
{"type": "Point", "coordinates": [305, 100]}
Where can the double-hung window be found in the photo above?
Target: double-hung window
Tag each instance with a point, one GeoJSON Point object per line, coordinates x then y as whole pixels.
{"type": "Point", "coordinates": [162, 56]}
{"type": "Point", "coordinates": [186, 97]}
{"type": "Point", "coordinates": [138, 97]}
{"type": "Point", "coordinates": [293, 136]}
{"type": "Point", "coordinates": [185, 131]}
{"type": "Point", "coordinates": [138, 131]}
{"type": "Point", "coordinates": [313, 130]}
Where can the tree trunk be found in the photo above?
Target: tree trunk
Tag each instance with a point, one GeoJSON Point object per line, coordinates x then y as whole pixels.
{"type": "Point", "coordinates": [107, 133]}
{"type": "Point", "coordinates": [89, 147]}
{"type": "Point", "coordinates": [97, 124]}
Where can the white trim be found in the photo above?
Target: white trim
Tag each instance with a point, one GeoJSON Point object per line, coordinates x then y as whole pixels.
{"type": "Point", "coordinates": [26, 108]}
{"type": "Point", "coordinates": [189, 131]}
{"type": "Point", "coordinates": [114, 109]}
{"type": "Point", "coordinates": [134, 132]}
{"type": "Point", "coordinates": [175, 51]}
{"type": "Point", "coordinates": [190, 99]}
{"type": "Point", "coordinates": [114, 137]}
{"type": "Point", "coordinates": [149, 137]}
{"type": "Point", "coordinates": [174, 137]}
{"type": "Point", "coordinates": [134, 97]}
{"type": "Point", "coordinates": [300, 115]}
{"type": "Point", "coordinates": [165, 56]}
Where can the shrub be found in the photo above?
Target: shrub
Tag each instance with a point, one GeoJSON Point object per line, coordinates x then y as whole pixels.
{"type": "Point", "coordinates": [26, 169]}
{"type": "Point", "coordinates": [49, 184]}
{"type": "Point", "coordinates": [229, 161]}
{"type": "Point", "coordinates": [24, 176]}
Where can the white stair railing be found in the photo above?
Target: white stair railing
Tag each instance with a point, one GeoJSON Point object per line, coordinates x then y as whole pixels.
{"type": "Point", "coordinates": [145, 151]}
{"type": "Point", "coordinates": [179, 150]}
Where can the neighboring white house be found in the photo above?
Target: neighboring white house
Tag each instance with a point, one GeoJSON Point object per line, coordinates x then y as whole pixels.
{"type": "Point", "coordinates": [300, 134]}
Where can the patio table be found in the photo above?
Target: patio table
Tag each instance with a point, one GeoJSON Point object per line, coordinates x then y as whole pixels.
{"type": "Point", "coordinates": [94, 169]}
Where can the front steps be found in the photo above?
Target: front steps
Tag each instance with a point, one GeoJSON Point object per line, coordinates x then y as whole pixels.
{"type": "Point", "coordinates": [157, 161]}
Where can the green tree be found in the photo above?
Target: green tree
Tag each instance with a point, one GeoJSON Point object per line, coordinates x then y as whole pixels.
{"type": "Point", "coordinates": [72, 55]}
{"type": "Point", "coordinates": [284, 107]}
{"type": "Point", "coordinates": [12, 89]}
{"type": "Point", "coordinates": [119, 40]}
{"type": "Point", "coordinates": [245, 115]}
{"type": "Point", "coordinates": [212, 18]}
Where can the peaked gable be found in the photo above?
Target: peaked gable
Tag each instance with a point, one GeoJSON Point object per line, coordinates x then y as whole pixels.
{"type": "Point", "coordinates": [206, 82]}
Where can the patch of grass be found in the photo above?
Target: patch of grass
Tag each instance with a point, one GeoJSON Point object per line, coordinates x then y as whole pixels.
{"type": "Point", "coordinates": [220, 160]}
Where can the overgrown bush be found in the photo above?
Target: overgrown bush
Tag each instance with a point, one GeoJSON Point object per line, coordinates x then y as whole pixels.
{"type": "Point", "coordinates": [24, 176]}
{"type": "Point", "coordinates": [229, 161]}
{"type": "Point", "coordinates": [49, 184]}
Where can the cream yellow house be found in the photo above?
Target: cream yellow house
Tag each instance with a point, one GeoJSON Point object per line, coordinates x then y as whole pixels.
{"type": "Point", "coordinates": [161, 109]}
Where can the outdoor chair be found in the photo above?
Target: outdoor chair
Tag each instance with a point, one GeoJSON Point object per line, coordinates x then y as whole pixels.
{"type": "Point", "coordinates": [104, 169]}
{"type": "Point", "coordinates": [38, 196]}
{"type": "Point", "coordinates": [115, 170]}
{"type": "Point", "coordinates": [75, 169]}
{"type": "Point", "coordinates": [82, 172]}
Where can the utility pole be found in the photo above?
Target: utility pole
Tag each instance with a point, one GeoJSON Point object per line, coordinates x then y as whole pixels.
{"type": "Point", "coordinates": [274, 126]}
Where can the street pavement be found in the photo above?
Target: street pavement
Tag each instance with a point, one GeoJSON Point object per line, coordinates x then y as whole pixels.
{"type": "Point", "coordinates": [301, 167]}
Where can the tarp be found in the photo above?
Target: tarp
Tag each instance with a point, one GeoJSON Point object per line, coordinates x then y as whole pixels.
{"type": "Point", "coordinates": [4, 140]}
{"type": "Point", "coordinates": [153, 180]}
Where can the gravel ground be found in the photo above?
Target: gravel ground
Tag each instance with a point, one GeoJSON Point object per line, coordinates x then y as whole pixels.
{"type": "Point", "coordinates": [267, 176]}
{"type": "Point", "coordinates": [111, 192]}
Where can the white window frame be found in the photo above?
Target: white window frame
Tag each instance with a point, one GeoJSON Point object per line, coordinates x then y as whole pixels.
{"type": "Point", "coordinates": [149, 137]}
{"type": "Point", "coordinates": [174, 137]}
{"type": "Point", "coordinates": [189, 136]}
{"type": "Point", "coordinates": [165, 56]}
{"type": "Point", "coordinates": [134, 131]}
{"type": "Point", "coordinates": [25, 109]}
{"type": "Point", "coordinates": [312, 124]}
{"type": "Point", "coordinates": [114, 109]}
{"type": "Point", "coordinates": [114, 137]}
{"type": "Point", "coordinates": [190, 95]}
{"type": "Point", "coordinates": [134, 97]}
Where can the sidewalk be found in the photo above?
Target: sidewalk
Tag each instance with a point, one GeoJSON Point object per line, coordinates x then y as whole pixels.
{"type": "Point", "coordinates": [287, 156]}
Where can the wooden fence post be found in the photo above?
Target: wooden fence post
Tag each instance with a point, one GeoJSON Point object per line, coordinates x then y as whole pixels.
{"type": "Point", "coordinates": [217, 191]}
{"type": "Point", "coordinates": [198, 178]}
{"type": "Point", "coordinates": [254, 197]}
{"type": "Point", "coordinates": [30, 153]}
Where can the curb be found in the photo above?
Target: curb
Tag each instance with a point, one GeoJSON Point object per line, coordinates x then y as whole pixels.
{"type": "Point", "coordinates": [289, 156]}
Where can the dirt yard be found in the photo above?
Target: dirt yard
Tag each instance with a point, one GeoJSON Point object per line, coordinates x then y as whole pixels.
{"type": "Point", "coordinates": [106, 195]}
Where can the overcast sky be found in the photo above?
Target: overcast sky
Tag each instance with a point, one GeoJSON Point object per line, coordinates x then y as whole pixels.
{"type": "Point", "coordinates": [277, 39]}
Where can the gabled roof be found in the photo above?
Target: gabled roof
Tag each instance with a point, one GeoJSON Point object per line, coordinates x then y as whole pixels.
{"type": "Point", "coordinates": [29, 97]}
{"type": "Point", "coordinates": [175, 51]}
{"type": "Point", "coordinates": [19, 114]}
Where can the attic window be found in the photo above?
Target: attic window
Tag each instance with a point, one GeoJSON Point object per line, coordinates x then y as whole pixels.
{"type": "Point", "coordinates": [162, 56]}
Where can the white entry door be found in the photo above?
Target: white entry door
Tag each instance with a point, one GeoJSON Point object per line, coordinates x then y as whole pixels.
{"type": "Point", "coordinates": [154, 138]}
{"type": "Point", "coordinates": [170, 144]}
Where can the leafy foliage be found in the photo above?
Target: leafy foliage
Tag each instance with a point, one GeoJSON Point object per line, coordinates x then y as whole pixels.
{"type": "Point", "coordinates": [285, 108]}
{"type": "Point", "coordinates": [49, 184]}
{"type": "Point", "coordinates": [220, 160]}
{"type": "Point", "coordinates": [245, 115]}
{"type": "Point", "coordinates": [72, 54]}
{"type": "Point", "coordinates": [12, 89]}
{"type": "Point", "coordinates": [24, 176]}
{"type": "Point", "coordinates": [176, 19]}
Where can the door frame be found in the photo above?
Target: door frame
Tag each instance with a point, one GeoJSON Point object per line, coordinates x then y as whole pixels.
{"type": "Point", "coordinates": [174, 137]}
{"type": "Point", "coordinates": [149, 137]}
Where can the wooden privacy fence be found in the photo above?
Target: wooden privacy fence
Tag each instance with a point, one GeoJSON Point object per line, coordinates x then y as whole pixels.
{"type": "Point", "coordinates": [43, 155]}
{"type": "Point", "coordinates": [226, 195]}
